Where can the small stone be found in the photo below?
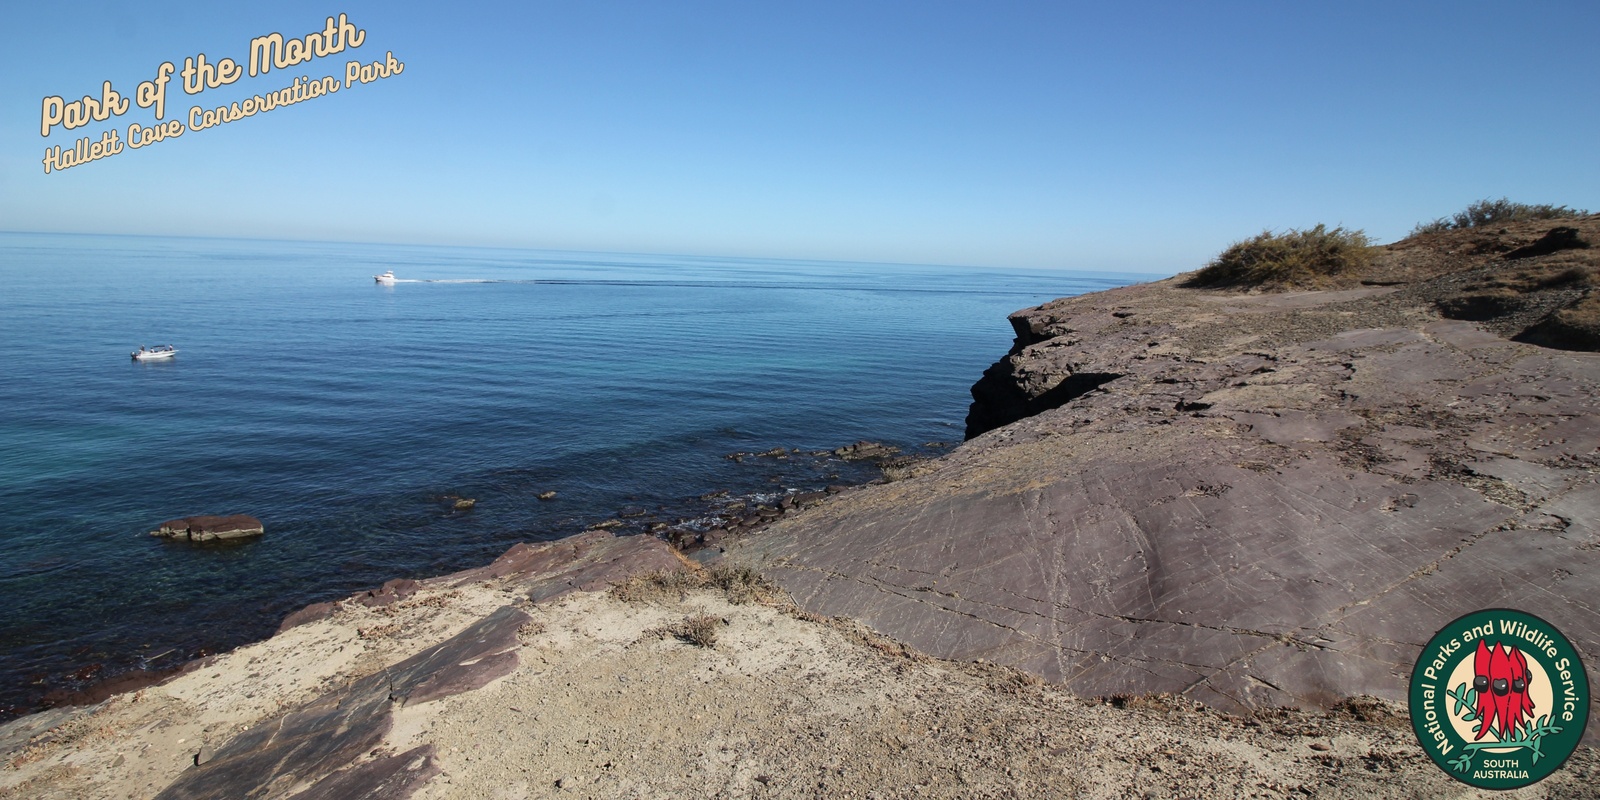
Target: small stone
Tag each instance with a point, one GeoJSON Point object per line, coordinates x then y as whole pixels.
{"type": "Point", "coordinates": [1321, 747]}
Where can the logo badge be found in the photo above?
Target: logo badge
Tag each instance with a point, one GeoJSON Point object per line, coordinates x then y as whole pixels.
{"type": "Point", "coordinates": [1499, 699]}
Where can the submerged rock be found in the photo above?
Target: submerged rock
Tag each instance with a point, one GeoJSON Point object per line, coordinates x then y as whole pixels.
{"type": "Point", "coordinates": [861, 451]}
{"type": "Point", "coordinates": [210, 528]}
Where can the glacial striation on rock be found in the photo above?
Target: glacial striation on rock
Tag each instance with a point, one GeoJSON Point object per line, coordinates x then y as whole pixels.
{"type": "Point", "coordinates": [1250, 499]}
{"type": "Point", "coordinates": [210, 528]}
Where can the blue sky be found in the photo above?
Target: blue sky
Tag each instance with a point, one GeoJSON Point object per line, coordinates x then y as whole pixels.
{"type": "Point", "coordinates": [1139, 137]}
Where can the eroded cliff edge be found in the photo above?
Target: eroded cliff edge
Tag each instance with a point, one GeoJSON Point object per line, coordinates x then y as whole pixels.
{"type": "Point", "coordinates": [1251, 499]}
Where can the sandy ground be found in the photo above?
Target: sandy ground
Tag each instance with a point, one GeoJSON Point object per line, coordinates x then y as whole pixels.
{"type": "Point", "coordinates": [607, 704]}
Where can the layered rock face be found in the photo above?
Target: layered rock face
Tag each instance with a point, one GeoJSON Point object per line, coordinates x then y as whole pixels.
{"type": "Point", "coordinates": [1254, 500]}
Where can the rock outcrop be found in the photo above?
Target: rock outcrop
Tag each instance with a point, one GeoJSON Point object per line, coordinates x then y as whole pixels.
{"type": "Point", "coordinates": [320, 744]}
{"type": "Point", "coordinates": [313, 743]}
{"type": "Point", "coordinates": [210, 528]}
{"type": "Point", "coordinates": [1254, 500]}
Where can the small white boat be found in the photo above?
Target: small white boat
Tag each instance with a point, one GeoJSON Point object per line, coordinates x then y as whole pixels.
{"type": "Point", "coordinates": [387, 278]}
{"type": "Point", "coordinates": [153, 353]}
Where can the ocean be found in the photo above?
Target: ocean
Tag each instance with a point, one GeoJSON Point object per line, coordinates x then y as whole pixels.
{"type": "Point", "coordinates": [347, 415]}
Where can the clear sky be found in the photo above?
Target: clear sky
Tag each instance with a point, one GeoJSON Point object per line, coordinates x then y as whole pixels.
{"type": "Point", "coordinates": [1122, 136]}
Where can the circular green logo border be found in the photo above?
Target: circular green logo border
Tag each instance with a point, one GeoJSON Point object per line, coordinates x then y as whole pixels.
{"type": "Point", "coordinates": [1512, 673]}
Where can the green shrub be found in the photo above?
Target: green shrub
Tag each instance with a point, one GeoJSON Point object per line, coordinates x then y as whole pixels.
{"type": "Point", "coordinates": [1297, 258]}
{"type": "Point", "coordinates": [1496, 212]}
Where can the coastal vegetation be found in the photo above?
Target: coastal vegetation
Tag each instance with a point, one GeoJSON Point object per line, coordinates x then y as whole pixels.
{"type": "Point", "coordinates": [699, 630]}
{"type": "Point", "coordinates": [1308, 259]}
{"type": "Point", "coordinates": [1496, 212]}
{"type": "Point", "coordinates": [739, 584]}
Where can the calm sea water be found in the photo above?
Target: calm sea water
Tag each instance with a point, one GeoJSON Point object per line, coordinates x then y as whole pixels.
{"type": "Point", "coordinates": [341, 413]}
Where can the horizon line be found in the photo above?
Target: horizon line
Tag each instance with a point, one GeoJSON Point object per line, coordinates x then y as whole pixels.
{"type": "Point", "coordinates": [7, 231]}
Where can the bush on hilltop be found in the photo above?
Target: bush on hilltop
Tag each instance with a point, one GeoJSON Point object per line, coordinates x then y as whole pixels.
{"type": "Point", "coordinates": [1496, 212]}
{"type": "Point", "coordinates": [1294, 259]}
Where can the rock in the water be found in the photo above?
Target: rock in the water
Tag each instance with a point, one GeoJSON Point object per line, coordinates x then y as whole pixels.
{"type": "Point", "coordinates": [546, 495]}
{"type": "Point", "coordinates": [804, 499]}
{"type": "Point", "coordinates": [391, 592]}
{"type": "Point", "coordinates": [465, 503]}
{"type": "Point", "coordinates": [861, 451]}
{"type": "Point", "coordinates": [210, 528]}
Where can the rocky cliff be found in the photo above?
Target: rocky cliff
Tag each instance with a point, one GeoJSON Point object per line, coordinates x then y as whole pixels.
{"type": "Point", "coordinates": [1252, 499]}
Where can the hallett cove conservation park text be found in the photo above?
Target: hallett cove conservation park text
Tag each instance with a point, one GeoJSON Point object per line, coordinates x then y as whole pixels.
{"type": "Point", "coordinates": [266, 53]}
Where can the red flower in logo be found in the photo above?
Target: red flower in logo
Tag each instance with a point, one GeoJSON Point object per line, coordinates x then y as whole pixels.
{"type": "Point", "coordinates": [1501, 678]}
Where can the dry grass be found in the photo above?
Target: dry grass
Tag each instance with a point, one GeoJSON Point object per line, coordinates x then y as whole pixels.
{"type": "Point", "coordinates": [1488, 212]}
{"type": "Point", "coordinates": [740, 585]}
{"type": "Point", "coordinates": [529, 630]}
{"type": "Point", "coordinates": [699, 630]}
{"type": "Point", "coordinates": [1298, 259]}
{"type": "Point", "coordinates": [744, 585]}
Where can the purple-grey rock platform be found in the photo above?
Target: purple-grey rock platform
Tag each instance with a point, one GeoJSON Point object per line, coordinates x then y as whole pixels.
{"type": "Point", "coordinates": [1253, 500]}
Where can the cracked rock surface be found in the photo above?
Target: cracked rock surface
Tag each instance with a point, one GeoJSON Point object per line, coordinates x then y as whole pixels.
{"type": "Point", "coordinates": [1253, 500]}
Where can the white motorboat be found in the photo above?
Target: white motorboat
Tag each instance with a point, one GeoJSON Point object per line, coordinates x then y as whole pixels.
{"type": "Point", "coordinates": [153, 353]}
{"type": "Point", "coordinates": [387, 278]}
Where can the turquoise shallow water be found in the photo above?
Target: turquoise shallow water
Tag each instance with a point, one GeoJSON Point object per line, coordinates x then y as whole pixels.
{"type": "Point", "coordinates": [340, 412]}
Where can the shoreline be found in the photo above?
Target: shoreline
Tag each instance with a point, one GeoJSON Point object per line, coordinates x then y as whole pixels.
{"type": "Point", "coordinates": [722, 514]}
{"type": "Point", "coordinates": [344, 450]}
{"type": "Point", "coordinates": [543, 676]}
